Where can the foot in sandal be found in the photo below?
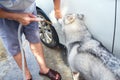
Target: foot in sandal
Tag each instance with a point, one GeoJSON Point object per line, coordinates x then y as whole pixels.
{"type": "Point", "coordinates": [51, 74]}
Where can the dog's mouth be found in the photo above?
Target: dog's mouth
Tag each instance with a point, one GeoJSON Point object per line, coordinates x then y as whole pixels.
{"type": "Point", "coordinates": [70, 18]}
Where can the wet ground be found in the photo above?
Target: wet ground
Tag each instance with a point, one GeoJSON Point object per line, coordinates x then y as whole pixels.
{"type": "Point", "coordinates": [55, 58]}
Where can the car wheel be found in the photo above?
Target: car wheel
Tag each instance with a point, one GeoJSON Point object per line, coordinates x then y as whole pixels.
{"type": "Point", "coordinates": [48, 35]}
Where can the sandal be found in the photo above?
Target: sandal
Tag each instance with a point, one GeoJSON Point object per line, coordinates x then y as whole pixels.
{"type": "Point", "coordinates": [52, 74]}
{"type": "Point", "coordinates": [29, 79]}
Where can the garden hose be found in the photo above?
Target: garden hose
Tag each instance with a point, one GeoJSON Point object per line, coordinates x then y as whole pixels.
{"type": "Point", "coordinates": [22, 50]}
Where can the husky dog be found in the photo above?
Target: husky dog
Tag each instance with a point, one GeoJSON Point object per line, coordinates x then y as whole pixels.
{"type": "Point", "coordinates": [86, 55]}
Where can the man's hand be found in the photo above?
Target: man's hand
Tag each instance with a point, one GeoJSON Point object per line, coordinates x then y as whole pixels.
{"type": "Point", "coordinates": [58, 14]}
{"type": "Point", "coordinates": [57, 9]}
{"type": "Point", "coordinates": [25, 18]}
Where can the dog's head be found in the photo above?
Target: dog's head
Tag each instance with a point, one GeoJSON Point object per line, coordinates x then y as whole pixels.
{"type": "Point", "coordinates": [73, 22]}
{"type": "Point", "coordinates": [70, 18]}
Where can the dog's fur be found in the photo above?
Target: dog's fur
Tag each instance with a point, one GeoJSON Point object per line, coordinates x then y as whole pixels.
{"type": "Point", "coordinates": [84, 52]}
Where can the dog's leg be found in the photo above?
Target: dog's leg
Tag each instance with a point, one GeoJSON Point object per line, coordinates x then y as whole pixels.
{"type": "Point", "coordinates": [76, 75]}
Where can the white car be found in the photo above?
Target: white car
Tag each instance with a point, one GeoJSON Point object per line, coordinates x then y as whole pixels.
{"type": "Point", "coordinates": [101, 16]}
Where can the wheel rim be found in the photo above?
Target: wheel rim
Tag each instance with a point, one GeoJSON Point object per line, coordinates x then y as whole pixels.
{"type": "Point", "coordinates": [45, 31]}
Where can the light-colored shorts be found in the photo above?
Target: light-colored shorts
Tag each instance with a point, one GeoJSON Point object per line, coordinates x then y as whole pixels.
{"type": "Point", "coordinates": [9, 34]}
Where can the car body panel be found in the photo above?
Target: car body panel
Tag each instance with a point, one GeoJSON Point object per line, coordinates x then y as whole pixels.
{"type": "Point", "coordinates": [117, 36]}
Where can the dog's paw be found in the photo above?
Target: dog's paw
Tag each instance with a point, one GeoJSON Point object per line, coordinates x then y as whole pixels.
{"type": "Point", "coordinates": [76, 75]}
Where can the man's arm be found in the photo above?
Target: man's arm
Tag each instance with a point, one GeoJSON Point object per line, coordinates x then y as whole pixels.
{"type": "Point", "coordinates": [23, 18]}
{"type": "Point", "coordinates": [57, 9]}
{"type": "Point", "coordinates": [7, 15]}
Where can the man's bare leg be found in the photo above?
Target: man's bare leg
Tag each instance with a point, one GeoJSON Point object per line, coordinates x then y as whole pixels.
{"type": "Point", "coordinates": [18, 59]}
{"type": "Point", "coordinates": [37, 50]}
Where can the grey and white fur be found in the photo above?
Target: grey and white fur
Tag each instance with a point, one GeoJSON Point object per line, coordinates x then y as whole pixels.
{"type": "Point", "coordinates": [86, 55]}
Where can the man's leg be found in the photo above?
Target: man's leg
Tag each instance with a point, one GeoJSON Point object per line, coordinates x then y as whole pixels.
{"type": "Point", "coordinates": [38, 53]}
{"type": "Point", "coordinates": [18, 59]}
{"type": "Point", "coordinates": [37, 50]}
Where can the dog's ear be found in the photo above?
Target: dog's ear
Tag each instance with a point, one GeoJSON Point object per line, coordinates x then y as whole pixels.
{"type": "Point", "coordinates": [80, 16]}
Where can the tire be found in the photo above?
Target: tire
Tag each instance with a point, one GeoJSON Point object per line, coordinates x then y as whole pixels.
{"type": "Point", "coordinates": [48, 34]}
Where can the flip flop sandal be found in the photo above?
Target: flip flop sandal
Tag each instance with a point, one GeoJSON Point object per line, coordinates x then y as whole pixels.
{"type": "Point", "coordinates": [52, 74]}
{"type": "Point", "coordinates": [30, 78]}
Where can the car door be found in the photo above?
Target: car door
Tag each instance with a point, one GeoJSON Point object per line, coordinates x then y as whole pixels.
{"type": "Point", "coordinates": [117, 36]}
{"type": "Point", "coordinates": [99, 17]}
